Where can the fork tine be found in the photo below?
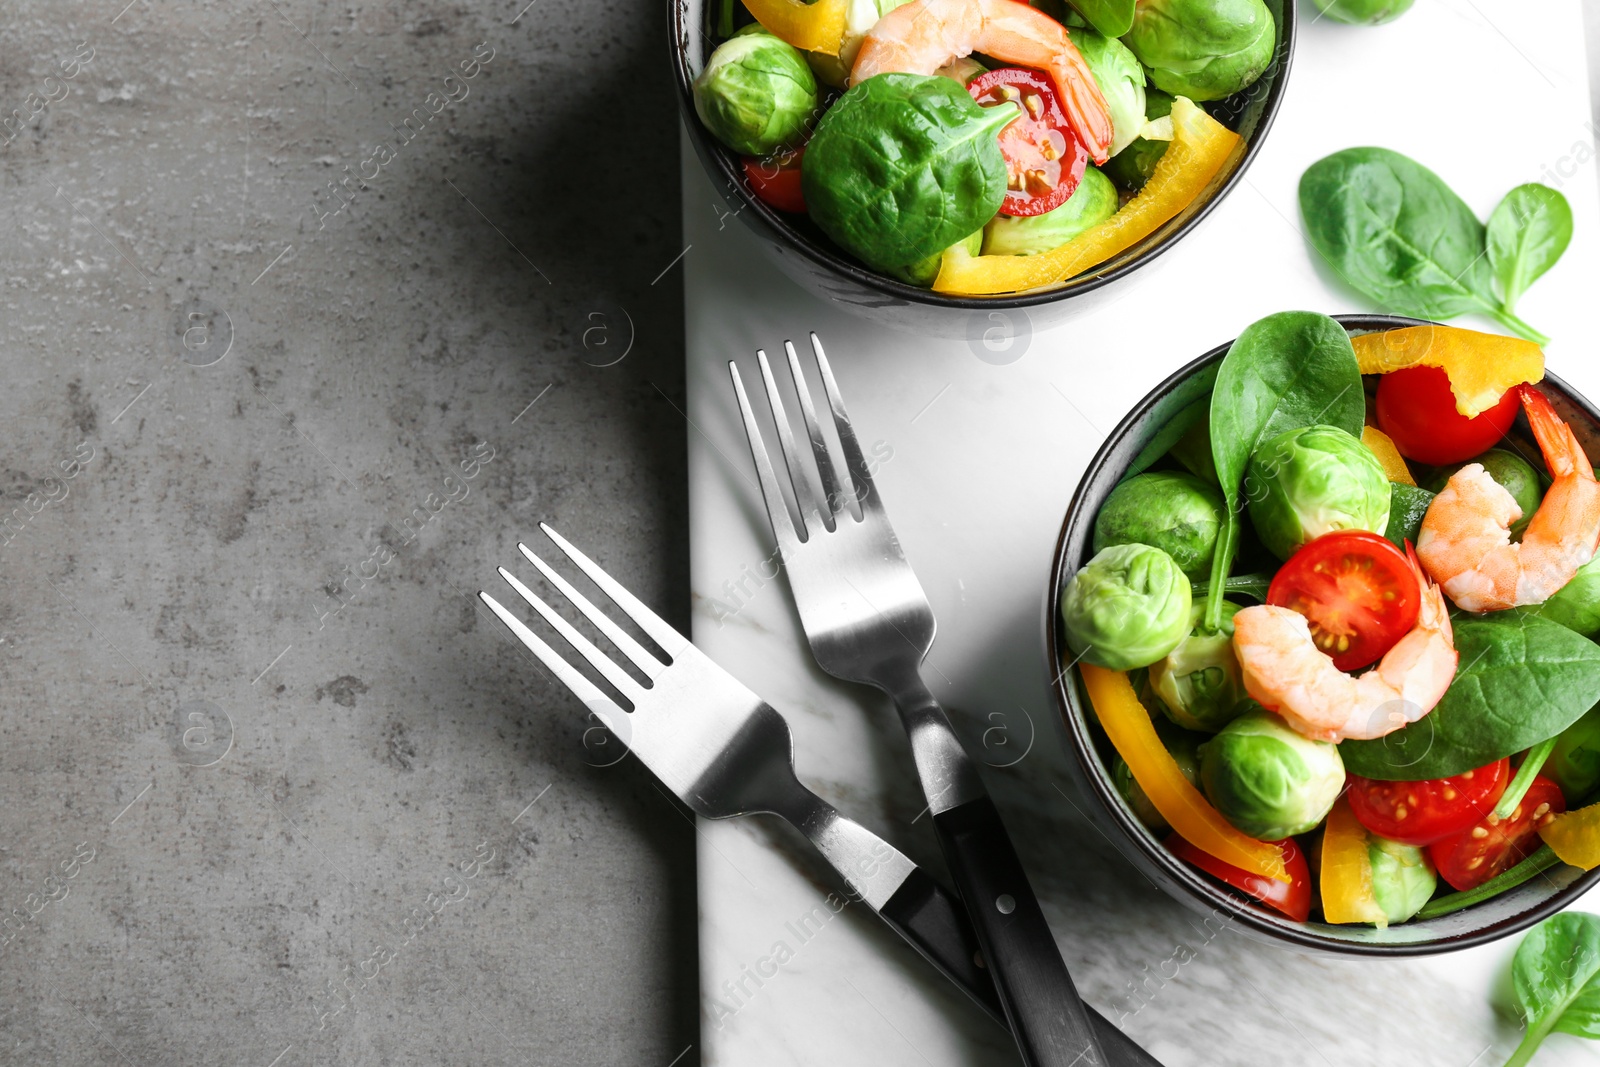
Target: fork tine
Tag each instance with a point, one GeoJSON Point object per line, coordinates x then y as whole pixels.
{"type": "Point", "coordinates": [799, 477]}
{"type": "Point", "coordinates": [635, 652]}
{"type": "Point", "coordinates": [854, 461]}
{"type": "Point", "coordinates": [618, 677]}
{"type": "Point", "coordinates": [777, 511]}
{"type": "Point", "coordinates": [669, 640]}
{"type": "Point", "coordinates": [827, 463]}
{"type": "Point", "coordinates": [604, 708]}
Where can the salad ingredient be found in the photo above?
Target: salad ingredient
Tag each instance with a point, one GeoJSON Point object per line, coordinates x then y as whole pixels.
{"type": "Point", "coordinates": [815, 27]}
{"type": "Point", "coordinates": [1181, 744]}
{"type": "Point", "coordinates": [1394, 231]}
{"type": "Point", "coordinates": [1466, 536]}
{"type": "Point", "coordinates": [1370, 12]}
{"type": "Point", "coordinates": [1254, 586]}
{"type": "Point", "coordinates": [1532, 761]}
{"type": "Point", "coordinates": [1094, 201]}
{"type": "Point", "coordinates": [1482, 367]}
{"type": "Point", "coordinates": [1192, 399]}
{"type": "Point", "coordinates": [1133, 735]}
{"type": "Point", "coordinates": [1292, 898]}
{"type": "Point", "coordinates": [1575, 837]}
{"type": "Point", "coordinates": [903, 167]}
{"type": "Point", "coordinates": [1403, 877]}
{"type": "Point", "coordinates": [922, 273]}
{"type": "Point", "coordinates": [1044, 161]}
{"type": "Point", "coordinates": [1381, 445]}
{"type": "Point", "coordinates": [1203, 49]}
{"type": "Point", "coordinates": [1574, 764]}
{"type": "Point", "coordinates": [1201, 147]}
{"type": "Point", "coordinates": [776, 180]}
{"type": "Point", "coordinates": [1407, 506]}
{"type": "Point", "coordinates": [1358, 592]}
{"type": "Point", "coordinates": [1526, 234]}
{"type": "Point", "coordinates": [924, 35]}
{"type": "Point", "coordinates": [1418, 411]}
{"type": "Point", "coordinates": [1126, 608]}
{"type": "Point", "coordinates": [1522, 679]}
{"type": "Point", "coordinates": [1420, 813]}
{"type": "Point", "coordinates": [1121, 82]}
{"type": "Point", "coordinates": [1474, 856]}
{"type": "Point", "coordinates": [1177, 513]}
{"type": "Point", "coordinates": [1198, 682]}
{"type": "Point", "coordinates": [1346, 871]}
{"type": "Point", "coordinates": [1556, 977]}
{"type": "Point", "coordinates": [860, 16]}
{"type": "Point", "coordinates": [1110, 17]}
{"type": "Point", "coordinates": [1576, 605]}
{"type": "Point", "coordinates": [1133, 166]}
{"type": "Point", "coordinates": [1266, 779]}
{"type": "Point", "coordinates": [1511, 472]}
{"type": "Point", "coordinates": [1538, 861]}
{"type": "Point", "coordinates": [1311, 481]}
{"type": "Point", "coordinates": [1285, 670]}
{"type": "Point", "coordinates": [756, 94]}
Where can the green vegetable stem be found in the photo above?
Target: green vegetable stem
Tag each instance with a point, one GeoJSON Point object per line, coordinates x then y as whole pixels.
{"type": "Point", "coordinates": [1537, 862]}
{"type": "Point", "coordinates": [1556, 977]}
{"type": "Point", "coordinates": [1531, 763]}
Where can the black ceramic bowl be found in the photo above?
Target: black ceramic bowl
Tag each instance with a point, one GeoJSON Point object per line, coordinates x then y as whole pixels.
{"type": "Point", "coordinates": [1506, 914]}
{"type": "Point", "coordinates": [802, 251]}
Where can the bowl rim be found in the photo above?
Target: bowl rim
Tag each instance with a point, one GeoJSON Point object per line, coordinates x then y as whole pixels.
{"type": "Point", "coordinates": [838, 263]}
{"type": "Point", "coordinates": [1146, 850]}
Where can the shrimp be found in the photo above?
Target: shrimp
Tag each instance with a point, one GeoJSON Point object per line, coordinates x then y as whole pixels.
{"type": "Point", "coordinates": [1465, 540]}
{"type": "Point", "coordinates": [922, 36]}
{"type": "Point", "coordinates": [1284, 669]}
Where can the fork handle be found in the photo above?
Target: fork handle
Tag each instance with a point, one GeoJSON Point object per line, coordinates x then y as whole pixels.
{"type": "Point", "coordinates": [1049, 1021]}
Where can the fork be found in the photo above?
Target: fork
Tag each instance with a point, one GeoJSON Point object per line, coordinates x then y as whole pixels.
{"type": "Point", "coordinates": [868, 620]}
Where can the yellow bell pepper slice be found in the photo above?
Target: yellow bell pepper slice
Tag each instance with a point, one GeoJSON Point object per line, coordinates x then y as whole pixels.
{"type": "Point", "coordinates": [1347, 895]}
{"type": "Point", "coordinates": [1394, 464]}
{"type": "Point", "coordinates": [1480, 366]}
{"type": "Point", "coordinates": [817, 27]}
{"type": "Point", "coordinates": [1128, 725]}
{"type": "Point", "coordinates": [1200, 147]}
{"type": "Point", "coordinates": [1574, 836]}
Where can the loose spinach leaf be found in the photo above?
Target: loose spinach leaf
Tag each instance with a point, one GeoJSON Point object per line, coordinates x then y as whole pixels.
{"type": "Point", "coordinates": [1527, 233]}
{"type": "Point", "coordinates": [1556, 976]}
{"type": "Point", "coordinates": [1407, 505]}
{"type": "Point", "coordinates": [1393, 230]}
{"type": "Point", "coordinates": [1113, 18]}
{"type": "Point", "coordinates": [1292, 369]}
{"type": "Point", "coordinates": [1522, 679]}
{"type": "Point", "coordinates": [903, 166]}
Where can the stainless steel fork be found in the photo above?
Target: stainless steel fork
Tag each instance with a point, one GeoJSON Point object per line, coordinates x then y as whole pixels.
{"type": "Point", "coordinates": [869, 621]}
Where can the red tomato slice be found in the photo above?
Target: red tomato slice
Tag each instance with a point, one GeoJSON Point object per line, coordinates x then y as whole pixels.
{"type": "Point", "coordinates": [1357, 591]}
{"type": "Point", "coordinates": [1420, 813]}
{"type": "Point", "coordinates": [1474, 856]}
{"type": "Point", "coordinates": [1292, 898]}
{"type": "Point", "coordinates": [775, 179]}
{"type": "Point", "coordinates": [1418, 411]}
{"type": "Point", "coordinates": [1044, 158]}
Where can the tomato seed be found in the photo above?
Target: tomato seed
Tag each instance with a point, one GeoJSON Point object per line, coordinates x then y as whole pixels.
{"type": "Point", "coordinates": [1465, 776]}
{"type": "Point", "coordinates": [1047, 149]}
{"type": "Point", "coordinates": [1479, 832]}
{"type": "Point", "coordinates": [1517, 814]}
{"type": "Point", "coordinates": [1400, 812]}
{"type": "Point", "coordinates": [1540, 810]}
{"type": "Point", "coordinates": [1034, 103]}
{"type": "Point", "coordinates": [1475, 864]}
{"type": "Point", "coordinates": [1448, 793]}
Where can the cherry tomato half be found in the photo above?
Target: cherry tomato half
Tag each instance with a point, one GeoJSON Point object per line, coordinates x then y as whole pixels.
{"type": "Point", "coordinates": [1418, 411]}
{"type": "Point", "coordinates": [1044, 158]}
{"type": "Point", "coordinates": [775, 179]}
{"type": "Point", "coordinates": [1357, 592]}
{"type": "Point", "coordinates": [1474, 856]}
{"type": "Point", "coordinates": [1292, 898]}
{"type": "Point", "coordinates": [1420, 813]}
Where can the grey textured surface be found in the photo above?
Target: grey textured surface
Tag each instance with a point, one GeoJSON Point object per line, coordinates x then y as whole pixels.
{"type": "Point", "coordinates": [240, 824]}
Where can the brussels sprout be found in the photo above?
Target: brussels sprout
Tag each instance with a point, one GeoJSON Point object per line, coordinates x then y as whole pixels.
{"type": "Point", "coordinates": [1402, 877]}
{"type": "Point", "coordinates": [922, 274]}
{"type": "Point", "coordinates": [1198, 682]}
{"type": "Point", "coordinates": [1121, 82]}
{"type": "Point", "coordinates": [1370, 12]}
{"type": "Point", "coordinates": [1091, 203]}
{"type": "Point", "coordinates": [1126, 608]}
{"type": "Point", "coordinates": [1203, 49]}
{"type": "Point", "coordinates": [1132, 167]}
{"type": "Point", "coordinates": [1266, 779]}
{"type": "Point", "coordinates": [1181, 744]}
{"type": "Point", "coordinates": [1576, 605]}
{"type": "Point", "coordinates": [1574, 763]}
{"type": "Point", "coordinates": [1311, 481]}
{"type": "Point", "coordinates": [756, 94]}
{"type": "Point", "coordinates": [1514, 474]}
{"type": "Point", "coordinates": [1175, 512]}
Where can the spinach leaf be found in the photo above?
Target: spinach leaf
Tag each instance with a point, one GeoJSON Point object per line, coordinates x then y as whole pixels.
{"type": "Point", "coordinates": [1292, 369]}
{"type": "Point", "coordinates": [1407, 506]}
{"type": "Point", "coordinates": [1556, 976]}
{"type": "Point", "coordinates": [1393, 230]}
{"type": "Point", "coordinates": [1522, 679]}
{"type": "Point", "coordinates": [904, 166]}
{"type": "Point", "coordinates": [1527, 233]}
{"type": "Point", "coordinates": [1113, 18]}
{"type": "Point", "coordinates": [1171, 430]}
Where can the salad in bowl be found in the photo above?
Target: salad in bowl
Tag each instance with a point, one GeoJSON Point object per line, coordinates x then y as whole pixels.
{"type": "Point", "coordinates": [1326, 610]}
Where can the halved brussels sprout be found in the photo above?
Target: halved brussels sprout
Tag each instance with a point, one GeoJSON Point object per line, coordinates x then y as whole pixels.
{"type": "Point", "coordinates": [922, 274]}
{"type": "Point", "coordinates": [1175, 512]}
{"type": "Point", "coordinates": [1132, 167]}
{"type": "Point", "coordinates": [1091, 203]}
{"type": "Point", "coordinates": [1311, 481]}
{"type": "Point", "coordinates": [1268, 780]}
{"type": "Point", "coordinates": [1403, 877]}
{"type": "Point", "coordinates": [1181, 744]}
{"type": "Point", "coordinates": [1121, 80]}
{"type": "Point", "coordinates": [756, 93]}
{"type": "Point", "coordinates": [1514, 474]}
{"type": "Point", "coordinates": [1198, 682]}
{"type": "Point", "coordinates": [1203, 49]}
{"type": "Point", "coordinates": [1126, 608]}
